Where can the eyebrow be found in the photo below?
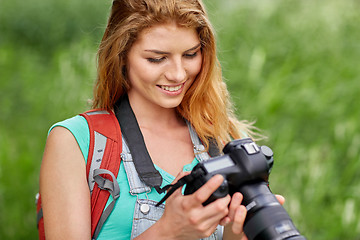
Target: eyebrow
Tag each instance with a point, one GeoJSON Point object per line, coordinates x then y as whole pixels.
{"type": "Point", "coordinates": [162, 52]}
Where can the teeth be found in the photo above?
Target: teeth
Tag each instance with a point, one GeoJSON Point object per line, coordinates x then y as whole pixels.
{"type": "Point", "coordinates": [171, 89]}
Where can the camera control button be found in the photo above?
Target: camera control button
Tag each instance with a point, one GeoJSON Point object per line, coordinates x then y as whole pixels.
{"type": "Point", "coordinates": [251, 148]}
{"type": "Point", "coordinates": [223, 189]}
{"type": "Point", "coordinates": [267, 152]}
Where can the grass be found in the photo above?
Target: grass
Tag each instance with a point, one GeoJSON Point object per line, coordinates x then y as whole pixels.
{"type": "Point", "coordinates": [290, 65]}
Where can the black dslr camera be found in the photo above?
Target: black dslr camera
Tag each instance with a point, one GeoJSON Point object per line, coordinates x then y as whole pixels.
{"type": "Point", "coordinates": [246, 168]}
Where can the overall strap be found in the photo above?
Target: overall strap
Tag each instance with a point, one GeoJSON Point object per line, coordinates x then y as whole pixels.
{"type": "Point", "coordinates": [199, 148]}
{"type": "Point", "coordinates": [136, 185]}
{"type": "Point", "coordinates": [103, 164]}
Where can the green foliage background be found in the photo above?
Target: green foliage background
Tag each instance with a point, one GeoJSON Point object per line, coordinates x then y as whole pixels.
{"type": "Point", "coordinates": [291, 65]}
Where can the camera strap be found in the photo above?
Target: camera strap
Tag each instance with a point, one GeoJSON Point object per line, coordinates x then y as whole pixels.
{"type": "Point", "coordinates": [133, 136]}
{"type": "Point", "coordinates": [181, 182]}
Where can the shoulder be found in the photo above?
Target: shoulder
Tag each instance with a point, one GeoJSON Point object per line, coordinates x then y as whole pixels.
{"type": "Point", "coordinates": [75, 127]}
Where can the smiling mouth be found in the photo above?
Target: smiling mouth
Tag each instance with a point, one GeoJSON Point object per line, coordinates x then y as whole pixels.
{"type": "Point", "coordinates": [171, 88]}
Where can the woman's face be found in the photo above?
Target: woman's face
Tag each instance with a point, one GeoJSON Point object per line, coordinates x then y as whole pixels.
{"type": "Point", "coordinates": [162, 64]}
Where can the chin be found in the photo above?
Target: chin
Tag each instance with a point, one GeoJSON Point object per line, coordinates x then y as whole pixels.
{"type": "Point", "coordinates": [171, 103]}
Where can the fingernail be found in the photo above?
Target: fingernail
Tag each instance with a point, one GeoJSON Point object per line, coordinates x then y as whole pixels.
{"type": "Point", "coordinates": [219, 177]}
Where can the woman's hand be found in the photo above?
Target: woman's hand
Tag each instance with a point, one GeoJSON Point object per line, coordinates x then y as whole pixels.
{"type": "Point", "coordinates": [186, 218]}
{"type": "Point", "coordinates": [189, 218]}
{"type": "Point", "coordinates": [234, 221]}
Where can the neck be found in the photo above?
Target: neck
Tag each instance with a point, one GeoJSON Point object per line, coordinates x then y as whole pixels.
{"type": "Point", "coordinates": [151, 115]}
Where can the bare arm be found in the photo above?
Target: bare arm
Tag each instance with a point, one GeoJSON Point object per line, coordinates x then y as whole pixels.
{"type": "Point", "coordinates": [64, 189]}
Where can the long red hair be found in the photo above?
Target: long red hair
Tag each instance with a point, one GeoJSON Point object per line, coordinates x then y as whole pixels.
{"type": "Point", "coordinates": [207, 103]}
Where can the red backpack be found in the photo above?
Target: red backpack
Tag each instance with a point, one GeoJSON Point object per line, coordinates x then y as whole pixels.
{"type": "Point", "coordinates": [101, 169]}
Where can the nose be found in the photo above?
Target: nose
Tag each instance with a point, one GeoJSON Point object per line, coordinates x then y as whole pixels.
{"type": "Point", "coordinates": [176, 71]}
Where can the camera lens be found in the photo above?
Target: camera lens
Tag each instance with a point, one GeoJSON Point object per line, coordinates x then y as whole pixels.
{"type": "Point", "coordinates": [266, 218]}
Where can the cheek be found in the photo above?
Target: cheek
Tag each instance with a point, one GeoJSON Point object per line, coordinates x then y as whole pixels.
{"type": "Point", "coordinates": [195, 67]}
{"type": "Point", "coordinates": [140, 73]}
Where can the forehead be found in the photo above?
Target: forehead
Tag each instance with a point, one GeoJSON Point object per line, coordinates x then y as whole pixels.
{"type": "Point", "coordinates": [168, 37]}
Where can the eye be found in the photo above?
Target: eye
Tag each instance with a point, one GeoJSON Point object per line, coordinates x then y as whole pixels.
{"type": "Point", "coordinates": [156, 60]}
{"type": "Point", "coordinates": [191, 55]}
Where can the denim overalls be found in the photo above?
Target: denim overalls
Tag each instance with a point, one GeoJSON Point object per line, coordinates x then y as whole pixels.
{"type": "Point", "coordinates": [146, 214]}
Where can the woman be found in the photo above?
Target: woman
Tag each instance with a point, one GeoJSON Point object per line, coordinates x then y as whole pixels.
{"type": "Point", "coordinates": [161, 56]}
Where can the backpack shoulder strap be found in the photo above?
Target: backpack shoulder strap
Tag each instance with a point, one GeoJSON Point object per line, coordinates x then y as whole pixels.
{"type": "Point", "coordinates": [103, 164]}
{"type": "Point", "coordinates": [39, 217]}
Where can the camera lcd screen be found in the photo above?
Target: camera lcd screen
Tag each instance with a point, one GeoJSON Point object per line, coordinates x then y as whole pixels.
{"type": "Point", "coordinates": [218, 164]}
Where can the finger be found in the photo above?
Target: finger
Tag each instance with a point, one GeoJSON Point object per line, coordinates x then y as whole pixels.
{"type": "Point", "coordinates": [280, 198]}
{"type": "Point", "coordinates": [234, 204]}
{"type": "Point", "coordinates": [219, 207]}
{"type": "Point", "coordinates": [225, 221]}
{"type": "Point", "coordinates": [203, 193]}
{"type": "Point", "coordinates": [216, 212]}
{"type": "Point", "coordinates": [239, 219]}
{"type": "Point", "coordinates": [244, 237]}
